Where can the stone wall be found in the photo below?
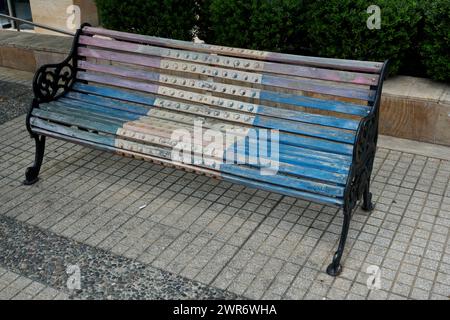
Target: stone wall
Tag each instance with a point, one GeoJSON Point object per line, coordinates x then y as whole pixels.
{"type": "Point", "coordinates": [28, 51]}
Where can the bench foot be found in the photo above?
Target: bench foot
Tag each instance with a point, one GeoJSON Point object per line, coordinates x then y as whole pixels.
{"type": "Point", "coordinates": [367, 203]}
{"type": "Point", "coordinates": [32, 173]}
{"type": "Point", "coordinates": [335, 268]}
{"type": "Point", "coordinates": [367, 199]}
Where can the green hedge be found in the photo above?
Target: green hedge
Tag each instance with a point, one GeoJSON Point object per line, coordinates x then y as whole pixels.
{"type": "Point", "coordinates": [435, 46]}
{"type": "Point", "coordinates": [337, 28]}
{"type": "Point", "coordinates": [414, 34]}
{"type": "Point", "coordinates": [274, 25]}
{"type": "Point", "coordinates": [329, 28]}
{"type": "Point", "coordinates": [165, 18]}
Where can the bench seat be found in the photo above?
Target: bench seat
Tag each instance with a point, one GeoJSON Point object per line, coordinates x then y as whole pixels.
{"type": "Point", "coordinates": [128, 94]}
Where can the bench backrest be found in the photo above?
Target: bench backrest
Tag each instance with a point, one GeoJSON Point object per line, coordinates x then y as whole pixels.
{"type": "Point", "coordinates": [269, 90]}
{"type": "Point", "coordinates": [241, 74]}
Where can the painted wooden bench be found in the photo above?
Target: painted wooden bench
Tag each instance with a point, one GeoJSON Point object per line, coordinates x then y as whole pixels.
{"type": "Point", "coordinates": [128, 94]}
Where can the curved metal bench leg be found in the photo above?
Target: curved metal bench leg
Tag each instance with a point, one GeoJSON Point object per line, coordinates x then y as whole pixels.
{"type": "Point", "coordinates": [335, 268]}
{"type": "Point", "coordinates": [367, 198]}
{"type": "Point", "coordinates": [32, 173]}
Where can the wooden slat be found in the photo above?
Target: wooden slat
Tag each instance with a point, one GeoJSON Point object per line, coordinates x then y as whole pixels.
{"type": "Point", "coordinates": [338, 202]}
{"type": "Point", "coordinates": [353, 65]}
{"type": "Point", "coordinates": [222, 73]}
{"type": "Point", "coordinates": [235, 63]}
{"type": "Point", "coordinates": [99, 142]}
{"type": "Point", "coordinates": [241, 171]}
{"type": "Point", "coordinates": [308, 102]}
{"type": "Point", "coordinates": [291, 153]}
{"type": "Point", "coordinates": [237, 91]}
{"type": "Point", "coordinates": [160, 134]}
{"type": "Point", "coordinates": [289, 192]}
{"type": "Point", "coordinates": [282, 125]}
{"type": "Point", "coordinates": [291, 165]}
{"type": "Point", "coordinates": [339, 149]}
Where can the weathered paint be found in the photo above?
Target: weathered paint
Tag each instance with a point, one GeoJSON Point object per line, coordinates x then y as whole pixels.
{"type": "Point", "coordinates": [237, 63]}
{"type": "Point", "coordinates": [236, 75]}
{"type": "Point", "coordinates": [354, 65]}
{"type": "Point", "coordinates": [239, 91]}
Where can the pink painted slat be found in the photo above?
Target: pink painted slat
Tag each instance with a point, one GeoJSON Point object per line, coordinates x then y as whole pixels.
{"type": "Point", "coordinates": [120, 57]}
{"type": "Point", "coordinates": [322, 74]}
{"type": "Point", "coordinates": [127, 73]}
{"type": "Point", "coordinates": [268, 111]}
{"type": "Point", "coordinates": [118, 82]}
{"type": "Point", "coordinates": [278, 68]}
{"type": "Point", "coordinates": [342, 64]}
{"type": "Point", "coordinates": [310, 86]}
{"type": "Point", "coordinates": [305, 85]}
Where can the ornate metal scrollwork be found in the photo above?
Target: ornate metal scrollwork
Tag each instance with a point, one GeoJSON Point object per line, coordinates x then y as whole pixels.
{"type": "Point", "coordinates": [53, 80]}
{"type": "Point", "coordinates": [363, 157]}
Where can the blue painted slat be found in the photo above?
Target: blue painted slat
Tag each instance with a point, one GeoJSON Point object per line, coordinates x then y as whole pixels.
{"type": "Point", "coordinates": [77, 119]}
{"type": "Point", "coordinates": [339, 149]}
{"type": "Point", "coordinates": [115, 104]}
{"type": "Point", "coordinates": [295, 115]}
{"type": "Point", "coordinates": [318, 144]}
{"type": "Point", "coordinates": [305, 129]}
{"type": "Point", "coordinates": [300, 160]}
{"type": "Point", "coordinates": [114, 93]}
{"type": "Point", "coordinates": [359, 93]}
{"type": "Point", "coordinates": [285, 181]}
{"type": "Point", "coordinates": [231, 169]}
{"type": "Point", "coordinates": [71, 132]}
{"type": "Point", "coordinates": [308, 172]}
{"type": "Point", "coordinates": [309, 102]}
{"type": "Point", "coordinates": [262, 109]}
{"type": "Point", "coordinates": [96, 121]}
{"type": "Point", "coordinates": [297, 149]}
{"type": "Point", "coordinates": [287, 191]}
{"type": "Point", "coordinates": [107, 112]}
{"type": "Point", "coordinates": [106, 143]}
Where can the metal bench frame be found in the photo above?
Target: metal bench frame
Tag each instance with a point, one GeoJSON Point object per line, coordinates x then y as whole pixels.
{"type": "Point", "coordinates": [54, 80]}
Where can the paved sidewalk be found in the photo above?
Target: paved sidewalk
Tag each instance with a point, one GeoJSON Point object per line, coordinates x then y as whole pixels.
{"type": "Point", "coordinates": [15, 93]}
{"type": "Point", "coordinates": [222, 236]}
{"type": "Point", "coordinates": [13, 286]}
{"type": "Point", "coordinates": [16, 76]}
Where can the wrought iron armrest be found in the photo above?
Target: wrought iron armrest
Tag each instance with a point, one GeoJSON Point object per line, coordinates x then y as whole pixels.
{"type": "Point", "coordinates": [51, 81]}
{"type": "Point", "coordinates": [364, 152]}
{"type": "Point", "coordinates": [362, 162]}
